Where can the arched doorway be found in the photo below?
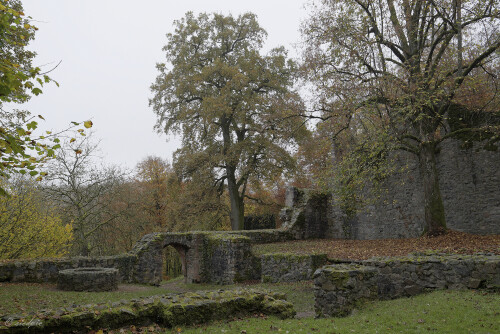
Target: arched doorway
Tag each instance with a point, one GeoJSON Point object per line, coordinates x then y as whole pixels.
{"type": "Point", "coordinates": [174, 261]}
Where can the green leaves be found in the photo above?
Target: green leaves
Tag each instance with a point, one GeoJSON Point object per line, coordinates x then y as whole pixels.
{"type": "Point", "coordinates": [227, 99]}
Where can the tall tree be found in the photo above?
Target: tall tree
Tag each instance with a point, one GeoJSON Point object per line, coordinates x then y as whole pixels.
{"type": "Point", "coordinates": [152, 173]}
{"type": "Point", "coordinates": [388, 71]}
{"type": "Point", "coordinates": [21, 150]}
{"type": "Point", "coordinates": [229, 102]}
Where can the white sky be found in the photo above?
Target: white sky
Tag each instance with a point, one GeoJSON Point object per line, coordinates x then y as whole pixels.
{"type": "Point", "coordinates": [109, 49]}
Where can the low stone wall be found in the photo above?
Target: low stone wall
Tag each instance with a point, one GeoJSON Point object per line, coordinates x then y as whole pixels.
{"type": "Point", "coordinates": [166, 310]}
{"type": "Point", "coordinates": [265, 236]}
{"type": "Point", "coordinates": [290, 267]}
{"type": "Point", "coordinates": [227, 259]}
{"type": "Point", "coordinates": [207, 257]}
{"type": "Point", "coordinates": [88, 279]}
{"type": "Point", "coordinates": [339, 288]}
{"type": "Point", "coordinates": [342, 287]}
{"type": "Point", "coordinates": [46, 270]}
{"type": "Point", "coordinates": [407, 276]}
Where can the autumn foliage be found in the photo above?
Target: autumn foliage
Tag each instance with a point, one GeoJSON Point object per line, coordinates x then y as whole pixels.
{"type": "Point", "coordinates": [30, 229]}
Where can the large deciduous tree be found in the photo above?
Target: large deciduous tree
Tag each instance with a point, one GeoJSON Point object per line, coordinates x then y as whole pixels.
{"type": "Point", "coordinates": [230, 103]}
{"type": "Point", "coordinates": [393, 73]}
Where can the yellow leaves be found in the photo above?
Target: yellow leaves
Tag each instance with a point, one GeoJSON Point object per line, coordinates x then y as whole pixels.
{"type": "Point", "coordinates": [87, 124]}
{"type": "Point", "coordinates": [30, 229]}
{"type": "Point", "coordinates": [72, 140]}
{"type": "Point", "coordinates": [78, 151]}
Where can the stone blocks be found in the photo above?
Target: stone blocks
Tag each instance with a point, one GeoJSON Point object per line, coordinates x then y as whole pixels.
{"type": "Point", "coordinates": [46, 270]}
{"type": "Point", "coordinates": [290, 267]}
{"type": "Point", "coordinates": [88, 279]}
{"type": "Point", "coordinates": [339, 288]}
{"type": "Point", "coordinates": [342, 287]}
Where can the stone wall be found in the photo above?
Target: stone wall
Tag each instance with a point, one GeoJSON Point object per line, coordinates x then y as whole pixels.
{"type": "Point", "coordinates": [469, 181]}
{"type": "Point", "coordinates": [340, 288]}
{"type": "Point", "coordinates": [264, 236]}
{"type": "Point", "coordinates": [277, 268]}
{"type": "Point", "coordinates": [46, 270]}
{"type": "Point", "coordinates": [305, 215]}
{"type": "Point", "coordinates": [207, 257]}
{"type": "Point", "coordinates": [259, 222]}
{"type": "Point", "coordinates": [166, 310]}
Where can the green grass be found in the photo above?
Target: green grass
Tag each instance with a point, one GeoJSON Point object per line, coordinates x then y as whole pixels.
{"type": "Point", "coordinates": [23, 298]}
{"type": "Point", "coordinates": [437, 312]}
{"type": "Point", "coordinates": [301, 294]}
{"type": "Point", "coordinates": [29, 297]}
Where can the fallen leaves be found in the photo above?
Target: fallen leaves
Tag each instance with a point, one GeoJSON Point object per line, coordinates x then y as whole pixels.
{"type": "Point", "coordinates": [452, 242]}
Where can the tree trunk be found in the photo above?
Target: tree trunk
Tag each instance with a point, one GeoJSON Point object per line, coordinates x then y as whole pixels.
{"type": "Point", "coordinates": [435, 223]}
{"type": "Point", "coordinates": [237, 205]}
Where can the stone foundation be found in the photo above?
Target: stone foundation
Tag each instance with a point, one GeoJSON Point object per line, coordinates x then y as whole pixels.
{"type": "Point", "coordinates": [88, 279]}
{"type": "Point", "coordinates": [340, 288]}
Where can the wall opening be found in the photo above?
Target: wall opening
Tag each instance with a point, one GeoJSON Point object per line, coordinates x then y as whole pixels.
{"type": "Point", "coordinates": [174, 262]}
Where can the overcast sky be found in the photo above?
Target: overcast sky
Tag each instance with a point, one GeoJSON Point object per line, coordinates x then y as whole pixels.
{"type": "Point", "coordinates": [109, 49]}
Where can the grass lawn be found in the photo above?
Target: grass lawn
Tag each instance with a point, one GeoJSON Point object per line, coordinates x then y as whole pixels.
{"type": "Point", "coordinates": [437, 312]}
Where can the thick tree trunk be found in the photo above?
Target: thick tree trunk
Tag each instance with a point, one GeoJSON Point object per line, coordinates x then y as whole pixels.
{"type": "Point", "coordinates": [435, 223]}
{"type": "Point", "coordinates": [237, 205]}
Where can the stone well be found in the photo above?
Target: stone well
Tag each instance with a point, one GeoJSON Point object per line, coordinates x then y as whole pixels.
{"type": "Point", "coordinates": [88, 279]}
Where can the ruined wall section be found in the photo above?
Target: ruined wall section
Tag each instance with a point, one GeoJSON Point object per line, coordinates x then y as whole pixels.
{"type": "Point", "coordinates": [469, 181]}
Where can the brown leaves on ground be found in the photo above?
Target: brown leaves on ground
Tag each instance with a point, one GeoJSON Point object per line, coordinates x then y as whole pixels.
{"type": "Point", "coordinates": [451, 242]}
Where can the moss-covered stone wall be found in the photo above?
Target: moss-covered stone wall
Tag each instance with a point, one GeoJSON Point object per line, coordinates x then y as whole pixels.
{"type": "Point", "coordinates": [166, 310]}
{"type": "Point", "coordinates": [290, 267]}
{"type": "Point", "coordinates": [46, 270]}
{"type": "Point", "coordinates": [207, 257]}
{"type": "Point", "coordinates": [342, 287]}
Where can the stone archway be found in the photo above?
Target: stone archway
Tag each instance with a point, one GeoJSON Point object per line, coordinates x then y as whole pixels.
{"type": "Point", "coordinates": [208, 257]}
{"type": "Point", "coordinates": [149, 252]}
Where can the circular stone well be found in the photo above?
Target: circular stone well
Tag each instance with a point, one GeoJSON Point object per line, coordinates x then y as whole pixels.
{"type": "Point", "coordinates": [88, 279]}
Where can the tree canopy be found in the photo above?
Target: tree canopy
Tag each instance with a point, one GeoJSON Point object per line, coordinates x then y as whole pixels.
{"type": "Point", "coordinates": [392, 72]}
{"type": "Point", "coordinates": [232, 105]}
{"type": "Point", "coordinates": [21, 150]}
